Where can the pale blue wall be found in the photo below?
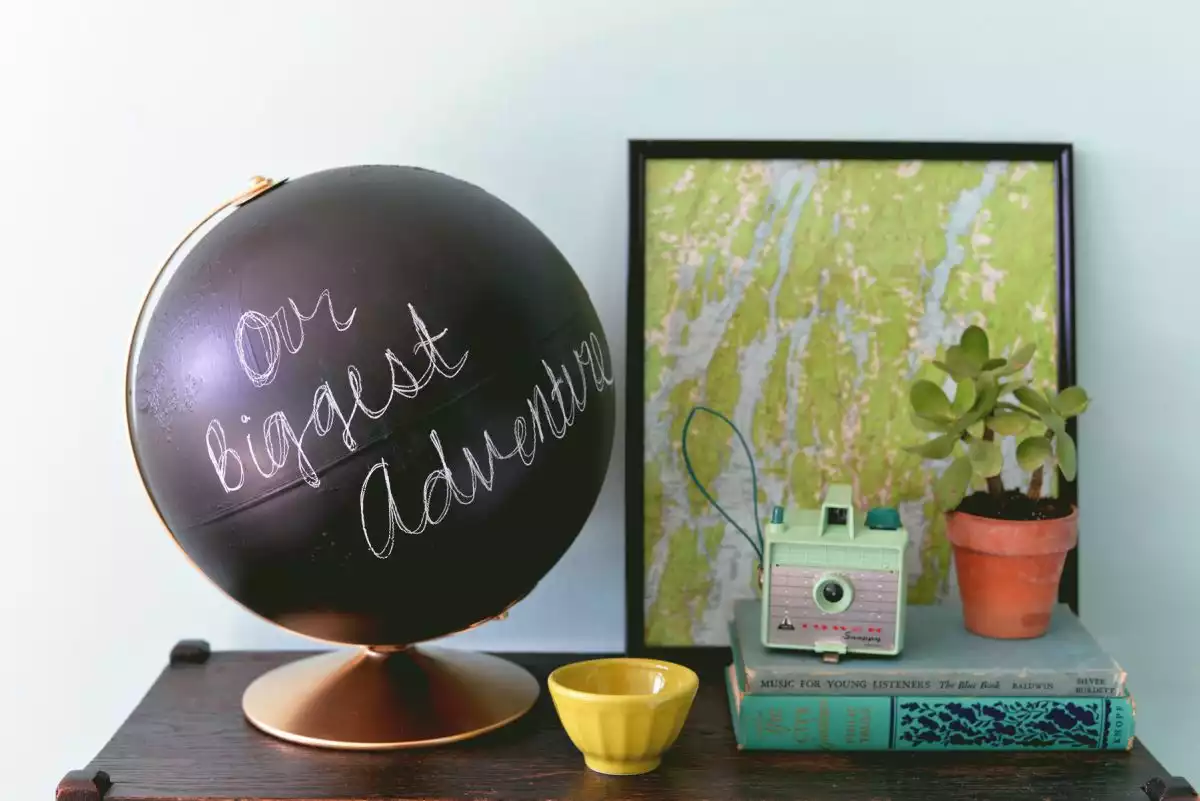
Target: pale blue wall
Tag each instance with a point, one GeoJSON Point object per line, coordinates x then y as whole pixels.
{"type": "Point", "coordinates": [123, 122]}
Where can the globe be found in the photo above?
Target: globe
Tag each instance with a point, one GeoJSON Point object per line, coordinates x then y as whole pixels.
{"type": "Point", "coordinates": [373, 404]}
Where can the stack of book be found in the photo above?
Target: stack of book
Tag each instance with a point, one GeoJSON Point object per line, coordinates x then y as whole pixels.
{"type": "Point", "coordinates": [948, 689]}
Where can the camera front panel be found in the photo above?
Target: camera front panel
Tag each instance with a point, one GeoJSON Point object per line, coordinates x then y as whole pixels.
{"type": "Point", "coordinates": [809, 606]}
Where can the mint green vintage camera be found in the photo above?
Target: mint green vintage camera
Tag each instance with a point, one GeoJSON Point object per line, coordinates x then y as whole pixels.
{"type": "Point", "coordinates": [834, 579]}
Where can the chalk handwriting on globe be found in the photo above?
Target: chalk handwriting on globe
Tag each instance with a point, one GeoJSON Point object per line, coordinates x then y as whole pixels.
{"type": "Point", "coordinates": [281, 444]}
{"type": "Point", "coordinates": [275, 331]}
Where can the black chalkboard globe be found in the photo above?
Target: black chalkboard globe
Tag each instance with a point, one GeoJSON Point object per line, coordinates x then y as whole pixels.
{"type": "Point", "coordinates": [373, 404]}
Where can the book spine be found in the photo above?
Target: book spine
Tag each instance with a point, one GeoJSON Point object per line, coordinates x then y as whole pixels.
{"type": "Point", "coordinates": [928, 723]}
{"type": "Point", "coordinates": [798, 681]}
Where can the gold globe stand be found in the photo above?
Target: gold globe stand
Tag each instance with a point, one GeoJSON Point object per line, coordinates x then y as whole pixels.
{"type": "Point", "coordinates": [376, 699]}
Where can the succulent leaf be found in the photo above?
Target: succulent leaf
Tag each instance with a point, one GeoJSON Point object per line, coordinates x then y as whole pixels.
{"type": "Point", "coordinates": [1008, 423]}
{"type": "Point", "coordinates": [952, 485]}
{"type": "Point", "coordinates": [1066, 455]}
{"type": "Point", "coordinates": [974, 345]}
{"type": "Point", "coordinates": [1020, 359]}
{"type": "Point", "coordinates": [957, 375]}
{"type": "Point", "coordinates": [986, 395]}
{"type": "Point", "coordinates": [1032, 453]}
{"type": "Point", "coordinates": [1055, 423]}
{"type": "Point", "coordinates": [964, 397]}
{"type": "Point", "coordinates": [930, 426]}
{"type": "Point", "coordinates": [960, 364]}
{"type": "Point", "coordinates": [976, 429]}
{"type": "Point", "coordinates": [1012, 407]}
{"type": "Point", "coordinates": [993, 364]}
{"type": "Point", "coordinates": [1071, 402]}
{"type": "Point", "coordinates": [929, 401]}
{"type": "Point", "coordinates": [936, 448]}
{"type": "Point", "coordinates": [1033, 399]}
{"type": "Point", "coordinates": [986, 458]}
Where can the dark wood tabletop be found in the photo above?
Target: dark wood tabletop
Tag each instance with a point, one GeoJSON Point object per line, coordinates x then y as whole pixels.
{"type": "Point", "coordinates": [188, 740]}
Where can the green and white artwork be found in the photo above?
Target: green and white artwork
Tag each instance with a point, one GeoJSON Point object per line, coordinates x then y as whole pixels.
{"type": "Point", "coordinates": [801, 299]}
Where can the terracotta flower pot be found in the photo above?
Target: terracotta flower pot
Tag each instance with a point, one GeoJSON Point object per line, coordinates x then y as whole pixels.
{"type": "Point", "coordinates": [1009, 571]}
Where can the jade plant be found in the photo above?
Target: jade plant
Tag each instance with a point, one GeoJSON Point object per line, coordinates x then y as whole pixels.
{"type": "Point", "coordinates": [992, 400]}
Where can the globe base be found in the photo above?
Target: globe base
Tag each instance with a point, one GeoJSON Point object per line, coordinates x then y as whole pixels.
{"type": "Point", "coordinates": [381, 700]}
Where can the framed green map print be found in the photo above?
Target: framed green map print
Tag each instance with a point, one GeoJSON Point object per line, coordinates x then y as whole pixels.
{"type": "Point", "coordinates": [796, 287]}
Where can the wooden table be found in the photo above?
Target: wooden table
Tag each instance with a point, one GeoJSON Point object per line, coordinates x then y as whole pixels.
{"type": "Point", "coordinates": [188, 740]}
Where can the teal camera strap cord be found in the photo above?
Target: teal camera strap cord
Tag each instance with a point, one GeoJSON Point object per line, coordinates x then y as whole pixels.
{"type": "Point", "coordinates": [757, 546]}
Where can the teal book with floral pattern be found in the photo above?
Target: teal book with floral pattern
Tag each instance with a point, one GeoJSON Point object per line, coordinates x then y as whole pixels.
{"type": "Point", "coordinates": [777, 722]}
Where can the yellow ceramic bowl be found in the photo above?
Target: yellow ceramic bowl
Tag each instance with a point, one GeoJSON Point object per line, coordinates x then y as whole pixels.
{"type": "Point", "coordinates": [623, 713]}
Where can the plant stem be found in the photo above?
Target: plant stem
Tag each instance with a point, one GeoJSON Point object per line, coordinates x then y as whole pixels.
{"type": "Point", "coordinates": [994, 483]}
{"type": "Point", "coordinates": [1035, 483]}
{"type": "Point", "coordinates": [1035, 478]}
{"type": "Point", "coordinates": [1012, 407]}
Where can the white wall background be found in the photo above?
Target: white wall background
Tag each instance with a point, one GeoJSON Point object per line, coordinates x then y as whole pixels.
{"type": "Point", "coordinates": [121, 123]}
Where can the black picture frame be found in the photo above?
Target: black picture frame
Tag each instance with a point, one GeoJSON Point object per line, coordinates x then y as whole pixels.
{"type": "Point", "coordinates": [641, 151]}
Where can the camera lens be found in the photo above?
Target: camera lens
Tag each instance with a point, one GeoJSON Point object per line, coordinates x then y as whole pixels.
{"type": "Point", "coordinates": [832, 592]}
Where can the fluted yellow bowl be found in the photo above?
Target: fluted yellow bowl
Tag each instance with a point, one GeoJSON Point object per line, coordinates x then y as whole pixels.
{"type": "Point", "coordinates": [623, 713]}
